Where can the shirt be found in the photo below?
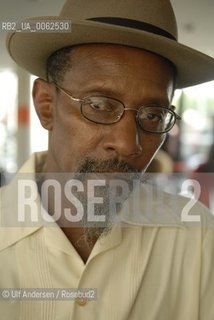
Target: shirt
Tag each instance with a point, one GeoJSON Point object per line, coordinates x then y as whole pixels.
{"type": "Point", "coordinates": [145, 269]}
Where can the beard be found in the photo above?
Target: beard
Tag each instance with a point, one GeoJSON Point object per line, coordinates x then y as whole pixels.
{"type": "Point", "coordinates": [110, 171]}
{"type": "Point", "coordinates": [112, 165]}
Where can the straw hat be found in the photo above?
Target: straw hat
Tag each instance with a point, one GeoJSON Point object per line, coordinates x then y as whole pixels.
{"type": "Point", "coordinates": [145, 24]}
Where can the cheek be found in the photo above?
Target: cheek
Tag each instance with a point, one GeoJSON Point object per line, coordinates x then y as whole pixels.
{"type": "Point", "coordinates": [73, 128]}
{"type": "Point", "coordinates": [72, 139]}
{"type": "Point", "coordinates": [153, 143]}
{"type": "Point", "coordinates": [150, 145]}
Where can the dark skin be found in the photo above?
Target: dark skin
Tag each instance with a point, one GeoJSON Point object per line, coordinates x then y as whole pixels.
{"type": "Point", "coordinates": [134, 76]}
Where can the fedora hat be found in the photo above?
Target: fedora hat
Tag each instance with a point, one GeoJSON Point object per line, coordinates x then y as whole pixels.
{"type": "Point", "coordinates": [144, 24]}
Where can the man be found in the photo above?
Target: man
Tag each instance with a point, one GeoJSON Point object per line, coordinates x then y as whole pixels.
{"type": "Point", "coordinates": [104, 94]}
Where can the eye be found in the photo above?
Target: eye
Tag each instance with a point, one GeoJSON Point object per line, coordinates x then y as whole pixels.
{"type": "Point", "coordinates": [155, 116]}
{"type": "Point", "coordinates": [100, 104]}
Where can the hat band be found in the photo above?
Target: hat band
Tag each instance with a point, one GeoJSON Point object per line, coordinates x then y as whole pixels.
{"type": "Point", "coordinates": [135, 24]}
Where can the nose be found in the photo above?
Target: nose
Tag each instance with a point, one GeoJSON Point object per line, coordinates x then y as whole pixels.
{"type": "Point", "coordinates": [124, 138]}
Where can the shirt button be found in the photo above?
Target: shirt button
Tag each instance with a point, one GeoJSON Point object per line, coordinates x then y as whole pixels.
{"type": "Point", "coordinates": [81, 301]}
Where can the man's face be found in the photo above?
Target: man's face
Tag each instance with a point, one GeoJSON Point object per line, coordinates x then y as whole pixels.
{"type": "Point", "coordinates": [136, 77]}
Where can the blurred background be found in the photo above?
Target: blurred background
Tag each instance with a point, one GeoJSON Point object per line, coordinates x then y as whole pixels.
{"type": "Point", "coordinates": [188, 146]}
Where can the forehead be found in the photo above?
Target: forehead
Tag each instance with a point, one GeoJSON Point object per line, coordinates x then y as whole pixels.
{"type": "Point", "coordinates": [117, 66]}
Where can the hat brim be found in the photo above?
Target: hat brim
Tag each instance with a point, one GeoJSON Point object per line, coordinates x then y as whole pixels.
{"type": "Point", "coordinates": [31, 50]}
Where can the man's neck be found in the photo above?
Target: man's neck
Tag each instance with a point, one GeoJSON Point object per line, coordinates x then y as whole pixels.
{"type": "Point", "coordinates": [78, 238]}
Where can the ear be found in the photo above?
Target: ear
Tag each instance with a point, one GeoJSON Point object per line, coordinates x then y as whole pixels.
{"type": "Point", "coordinates": [43, 97]}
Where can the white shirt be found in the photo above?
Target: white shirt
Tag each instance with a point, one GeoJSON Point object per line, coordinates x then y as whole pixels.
{"type": "Point", "coordinates": [141, 270]}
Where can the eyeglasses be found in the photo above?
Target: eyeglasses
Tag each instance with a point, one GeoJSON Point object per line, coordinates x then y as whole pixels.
{"type": "Point", "coordinates": [106, 110]}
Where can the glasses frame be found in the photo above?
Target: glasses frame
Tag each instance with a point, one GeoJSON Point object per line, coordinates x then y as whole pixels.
{"type": "Point", "coordinates": [169, 109]}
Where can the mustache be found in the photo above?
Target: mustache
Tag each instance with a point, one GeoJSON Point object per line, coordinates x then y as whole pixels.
{"type": "Point", "coordinates": [105, 166]}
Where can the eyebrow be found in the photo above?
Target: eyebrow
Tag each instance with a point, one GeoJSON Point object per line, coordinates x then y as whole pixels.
{"type": "Point", "coordinates": [103, 90]}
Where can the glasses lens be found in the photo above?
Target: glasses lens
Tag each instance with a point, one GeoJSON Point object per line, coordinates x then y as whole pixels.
{"type": "Point", "coordinates": [156, 119]}
{"type": "Point", "coordinates": [102, 109]}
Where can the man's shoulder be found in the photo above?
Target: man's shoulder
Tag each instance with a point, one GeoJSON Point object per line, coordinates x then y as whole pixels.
{"type": "Point", "coordinates": [150, 206]}
{"type": "Point", "coordinates": [11, 231]}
